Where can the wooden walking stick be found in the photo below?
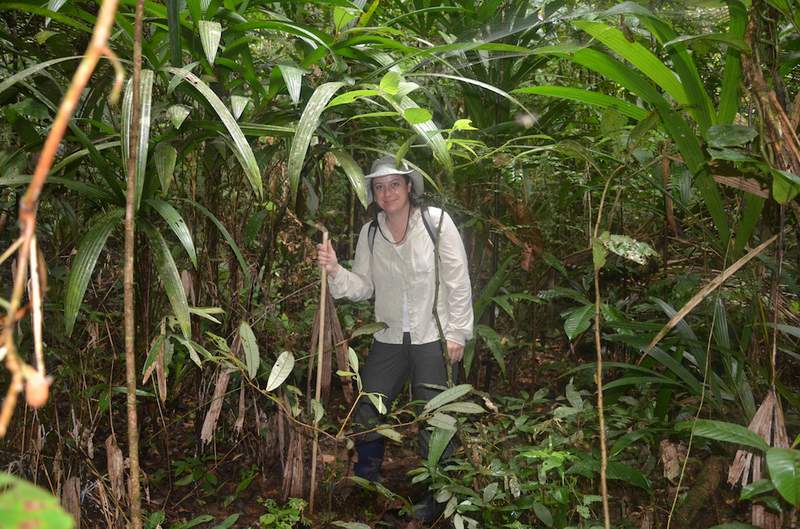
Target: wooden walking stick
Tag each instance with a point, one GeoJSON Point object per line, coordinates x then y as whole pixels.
{"type": "Point", "coordinates": [317, 394]}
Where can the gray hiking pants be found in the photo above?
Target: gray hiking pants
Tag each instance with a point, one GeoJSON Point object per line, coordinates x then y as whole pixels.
{"type": "Point", "coordinates": [387, 369]}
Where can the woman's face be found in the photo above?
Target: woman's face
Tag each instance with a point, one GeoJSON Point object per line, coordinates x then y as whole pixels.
{"type": "Point", "coordinates": [391, 192]}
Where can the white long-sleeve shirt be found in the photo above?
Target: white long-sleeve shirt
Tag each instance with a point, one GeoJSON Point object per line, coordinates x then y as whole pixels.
{"type": "Point", "coordinates": [405, 273]}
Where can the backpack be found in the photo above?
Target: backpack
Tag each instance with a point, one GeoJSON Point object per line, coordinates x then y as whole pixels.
{"type": "Point", "coordinates": [426, 220]}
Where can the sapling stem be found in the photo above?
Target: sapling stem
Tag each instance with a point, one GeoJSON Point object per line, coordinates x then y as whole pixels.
{"type": "Point", "coordinates": [318, 390]}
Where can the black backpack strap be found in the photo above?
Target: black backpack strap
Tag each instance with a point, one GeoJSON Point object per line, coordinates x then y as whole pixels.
{"type": "Point", "coordinates": [373, 228]}
{"type": "Point", "coordinates": [426, 220]}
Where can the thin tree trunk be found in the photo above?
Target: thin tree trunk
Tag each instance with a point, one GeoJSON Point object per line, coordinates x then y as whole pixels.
{"type": "Point", "coordinates": [130, 236]}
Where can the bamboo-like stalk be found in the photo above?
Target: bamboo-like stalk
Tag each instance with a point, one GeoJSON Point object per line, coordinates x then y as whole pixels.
{"type": "Point", "coordinates": [130, 235]}
{"type": "Point", "coordinates": [601, 419]}
{"type": "Point", "coordinates": [317, 393]}
{"type": "Point", "coordinates": [18, 368]}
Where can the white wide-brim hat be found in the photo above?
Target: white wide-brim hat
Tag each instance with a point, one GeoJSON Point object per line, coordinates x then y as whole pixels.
{"type": "Point", "coordinates": [387, 165]}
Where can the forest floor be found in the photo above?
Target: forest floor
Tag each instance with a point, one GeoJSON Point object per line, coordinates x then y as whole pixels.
{"type": "Point", "coordinates": [238, 482]}
{"type": "Point", "coordinates": [242, 482]}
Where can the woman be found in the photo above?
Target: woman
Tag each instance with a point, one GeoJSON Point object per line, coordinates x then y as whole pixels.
{"type": "Point", "coordinates": [396, 263]}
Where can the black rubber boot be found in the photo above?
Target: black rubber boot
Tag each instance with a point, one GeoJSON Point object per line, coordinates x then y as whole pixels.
{"type": "Point", "coordinates": [427, 509]}
{"type": "Point", "coordinates": [370, 458]}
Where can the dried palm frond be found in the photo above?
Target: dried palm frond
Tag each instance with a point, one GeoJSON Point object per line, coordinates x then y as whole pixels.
{"type": "Point", "coordinates": [769, 423]}
{"type": "Point", "coordinates": [293, 468]}
{"type": "Point", "coordinates": [71, 498]}
{"type": "Point", "coordinates": [332, 339]}
{"type": "Point", "coordinates": [116, 469]}
{"type": "Point", "coordinates": [237, 427]}
{"type": "Point", "coordinates": [210, 422]}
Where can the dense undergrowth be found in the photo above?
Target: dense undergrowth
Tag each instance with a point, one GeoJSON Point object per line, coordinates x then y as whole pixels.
{"type": "Point", "coordinates": [624, 178]}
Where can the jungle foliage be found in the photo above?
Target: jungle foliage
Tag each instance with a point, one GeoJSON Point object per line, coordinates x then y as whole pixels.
{"type": "Point", "coordinates": [625, 177]}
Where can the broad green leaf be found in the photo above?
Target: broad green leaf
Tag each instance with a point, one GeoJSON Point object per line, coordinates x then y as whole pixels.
{"type": "Point", "coordinates": [227, 522]}
{"type": "Point", "coordinates": [785, 186]}
{"type": "Point", "coordinates": [369, 328]}
{"type": "Point", "coordinates": [599, 254]}
{"type": "Point", "coordinates": [627, 247]}
{"type": "Point", "coordinates": [724, 38]}
{"type": "Point", "coordinates": [481, 84]}
{"type": "Point", "coordinates": [494, 343]}
{"type": "Point", "coordinates": [700, 104]}
{"type": "Point", "coordinates": [586, 96]}
{"type": "Point", "coordinates": [640, 382]}
{"type": "Point", "coordinates": [462, 407]}
{"type": "Point", "coordinates": [312, 37]}
{"type": "Point", "coordinates": [753, 206]}
{"type": "Point", "coordinates": [390, 82]}
{"type": "Point", "coordinates": [156, 346]}
{"type": "Point", "coordinates": [354, 174]}
{"type": "Point", "coordinates": [82, 153]}
{"type": "Point", "coordinates": [228, 238]}
{"type": "Point", "coordinates": [428, 131]}
{"type": "Point", "coordinates": [728, 135]}
{"type": "Point", "coordinates": [170, 277]}
{"type": "Point", "coordinates": [93, 192]}
{"type": "Point", "coordinates": [206, 313]}
{"type": "Point", "coordinates": [490, 491]}
{"type": "Point", "coordinates": [438, 443]}
{"type": "Point", "coordinates": [483, 302]}
{"type": "Point", "coordinates": [280, 371]}
{"type": "Point", "coordinates": [177, 114]}
{"type": "Point", "coordinates": [242, 150]}
{"type": "Point", "coordinates": [578, 321]}
{"type": "Point", "coordinates": [756, 488]}
{"type": "Point", "coordinates": [250, 345]}
{"type": "Point", "coordinates": [238, 104]}
{"type": "Point", "coordinates": [352, 359]}
{"type": "Point", "coordinates": [679, 370]}
{"type": "Point", "coordinates": [54, 6]}
{"type": "Point", "coordinates": [319, 411]}
{"type": "Point", "coordinates": [309, 121]}
{"type": "Point", "coordinates": [724, 431]}
{"type": "Point", "coordinates": [784, 471]}
{"type": "Point", "coordinates": [210, 35]}
{"type": "Point", "coordinates": [343, 16]}
{"type": "Point", "coordinates": [732, 75]}
{"type": "Point", "coordinates": [443, 421]}
{"type": "Point", "coordinates": [164, 157]}
{"type": "Point", "coordinates": [293, 77]}
{"type": "Point", "coordinates": [416, 116]}
{"type": "Point", "coordinates": [31, 9]}
{"type": "Point", "coordinates": [637, 55]}
{"type": "Point", "coordinates": [174, 29]}
{"type": "Point", "coordinates": [24, 505]}
{"type": "Point", "coordinates": [176, 223]}
{"type": "Point", "coordinates": [390, 433]}
{"type": "Point", "coordinates": [377, 401]}
{"type": "Point", "coordinates": [463, 124]}
{"type": "Point", "coordinates": [352, 95]}
{"type": "Point", "coordinates": [84, 262]}
{"type": "Point", "coordinates": [628, 474]}
{"type": "Point", "coordinates": [143, 134]}
{"type": "Point", "coordinates": [543, 513]}
{"type": "Point", "coordinates": [33, 70]}
{"type": "Point", "coordinates": [447, 396]}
